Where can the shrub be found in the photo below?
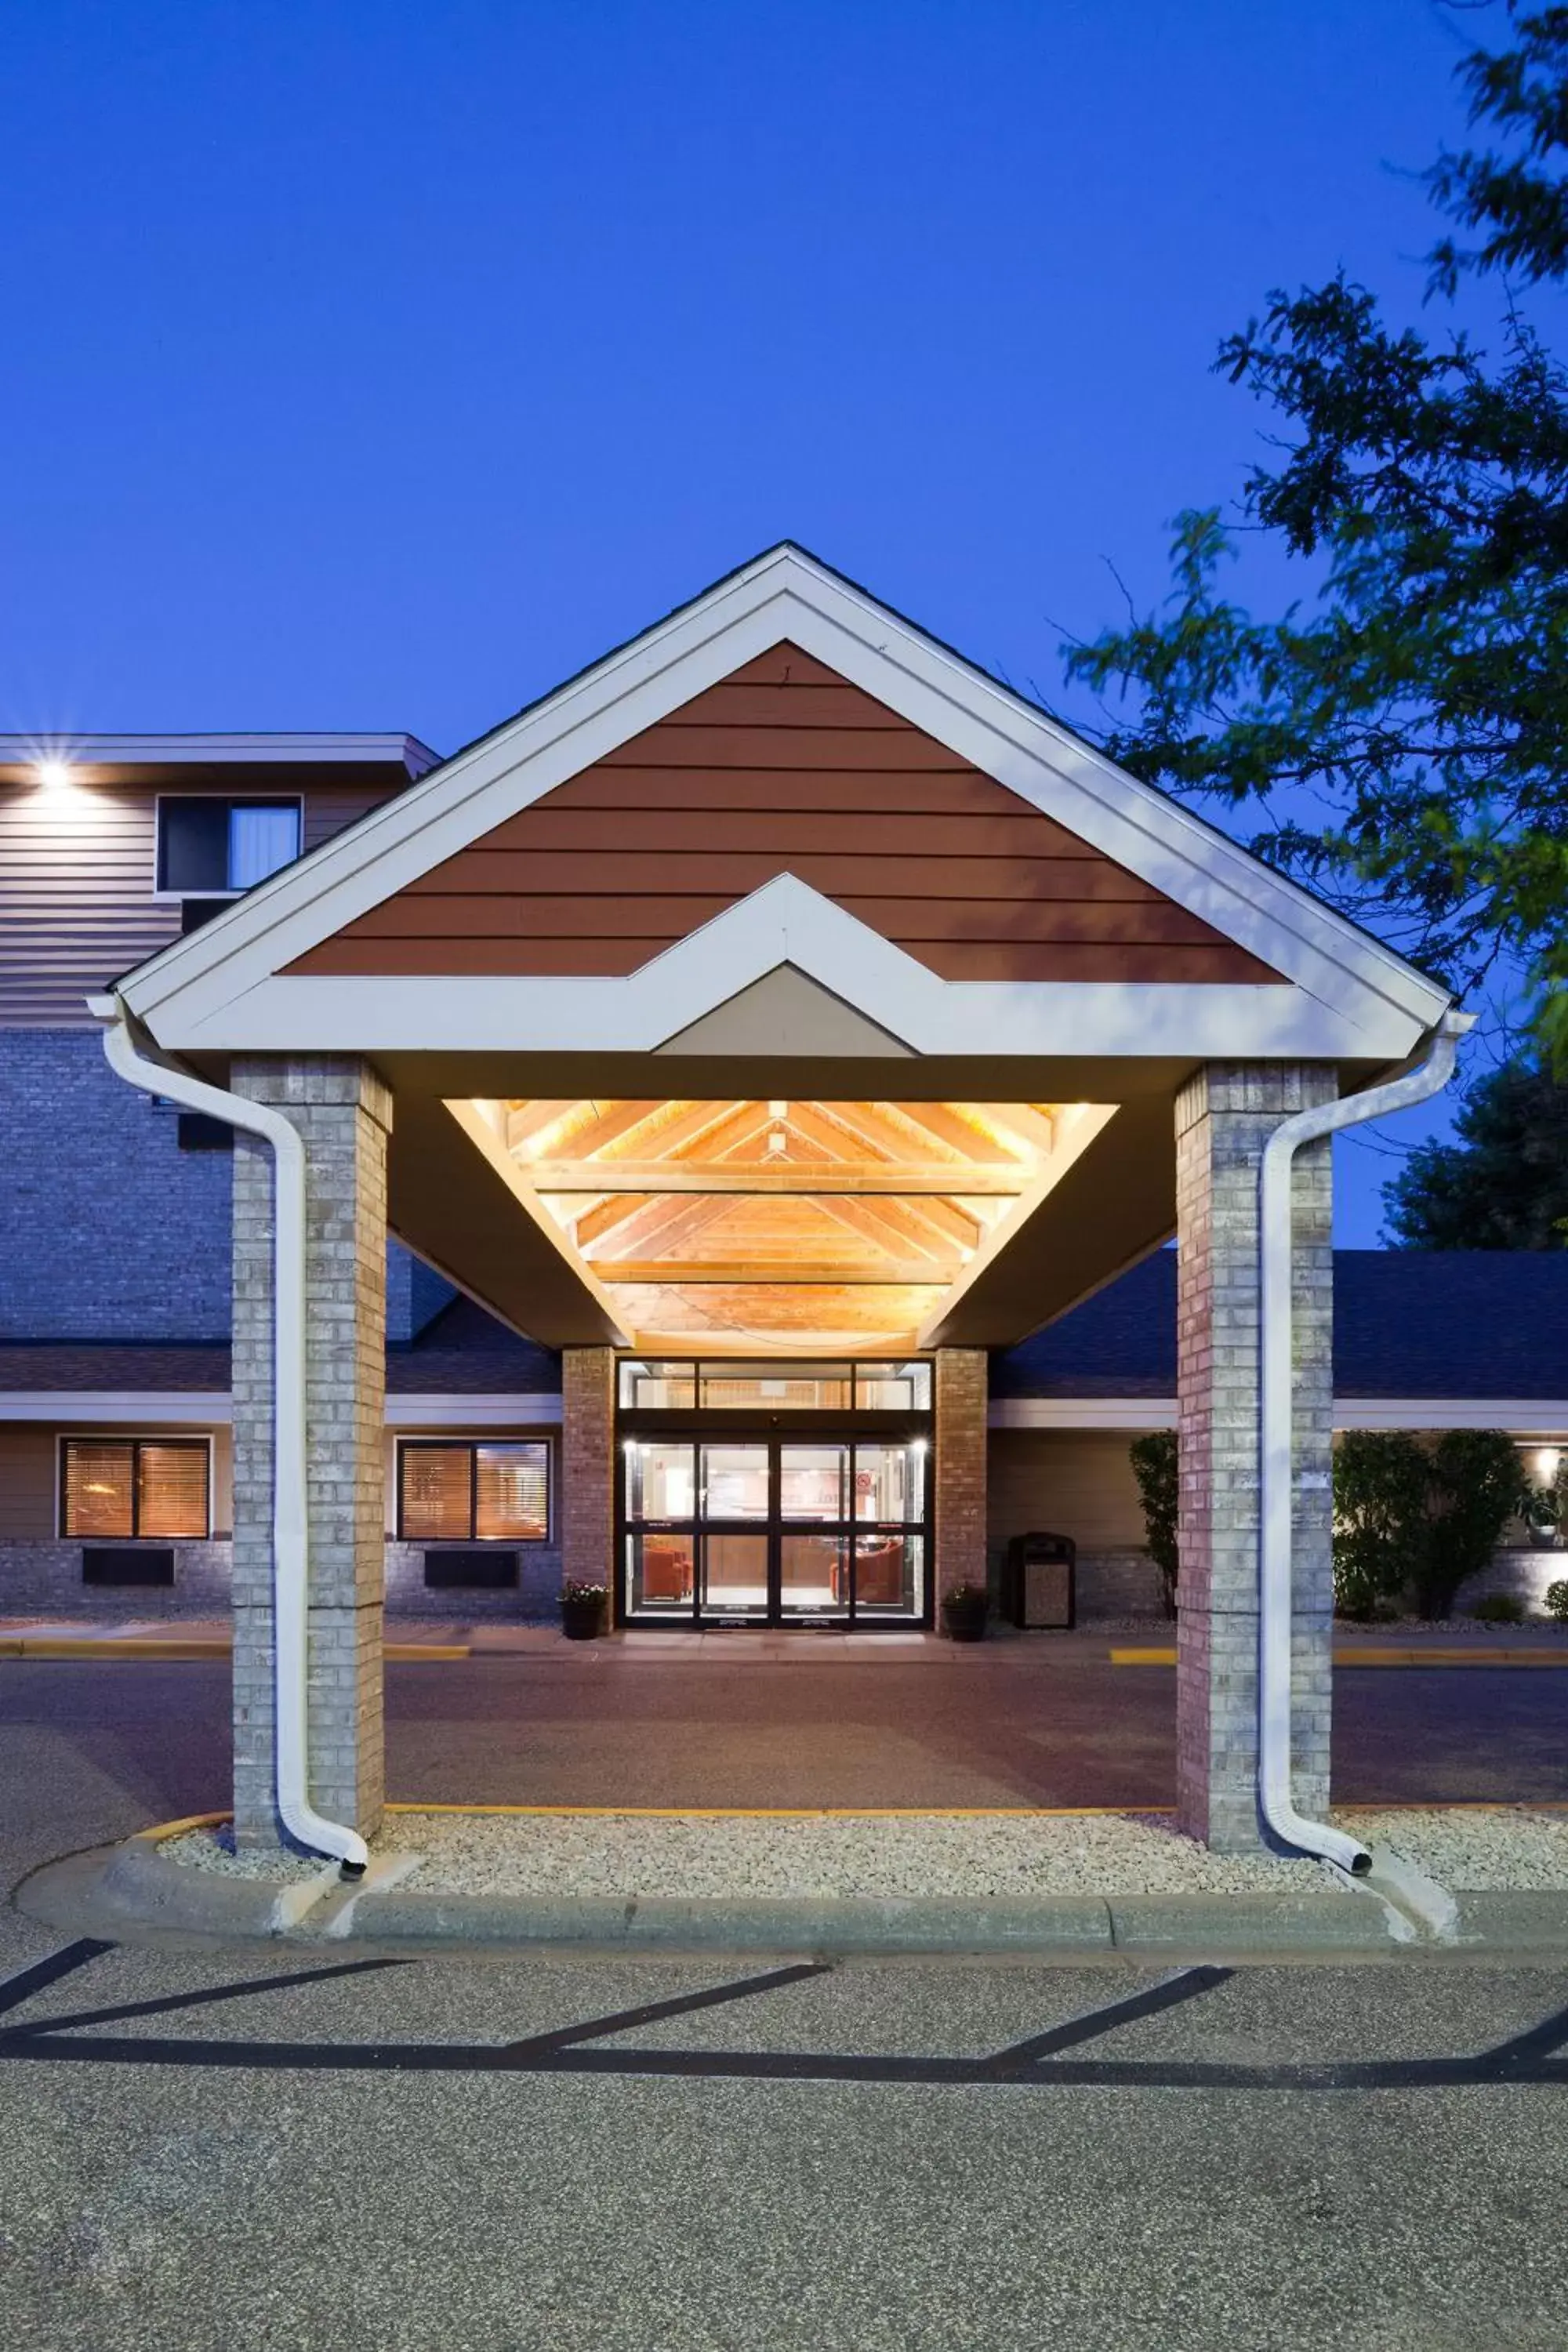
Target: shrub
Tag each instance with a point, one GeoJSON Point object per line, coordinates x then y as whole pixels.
{"type": "Point", "coordinates": [1382, 1486]}
{"type": "Point", "coordinates": [1156, 1467]}
{"type": "Point", "coordinates": [1479, 1485]}
{"type": "Point", "coordinates": [1499, 1609]}
{"type": "Point", "coordinates": [1557, 1600]}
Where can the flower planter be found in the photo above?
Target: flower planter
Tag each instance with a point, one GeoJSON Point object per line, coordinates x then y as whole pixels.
{"type": "Point", "coordinates": [964, 1616]}
{"type": "Point", "coordinates": [583, 1618]}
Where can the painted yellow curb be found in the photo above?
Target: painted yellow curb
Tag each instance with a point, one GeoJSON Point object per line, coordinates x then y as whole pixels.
{"type": "Point", "coordinates": [158, 1650]}
{"type": "Point", "coordinates": [90, 1648]}
{"type": "Point", "coordinates": [162, 1829]}
{"type": "Point", "coordinates": [1389, 1657]}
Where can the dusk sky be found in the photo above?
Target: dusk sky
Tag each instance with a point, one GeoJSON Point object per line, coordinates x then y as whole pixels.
{"type": "Point", "coordinates": [376, 366]}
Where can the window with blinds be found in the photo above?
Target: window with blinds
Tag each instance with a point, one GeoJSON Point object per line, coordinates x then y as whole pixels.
{"type": "Point", "coordinates": [153, 1486]}
{"type": "Point", "coordinates": [456, 1491]}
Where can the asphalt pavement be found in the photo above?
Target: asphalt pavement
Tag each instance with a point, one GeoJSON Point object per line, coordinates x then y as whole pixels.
{"type": "Point", "coordinates": [205, 2149]}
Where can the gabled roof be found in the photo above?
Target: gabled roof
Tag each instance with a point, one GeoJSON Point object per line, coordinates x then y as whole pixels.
{"type": "Point", "coordinates": [1348, 997]}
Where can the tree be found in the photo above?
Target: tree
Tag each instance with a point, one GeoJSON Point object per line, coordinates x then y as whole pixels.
{"type": "Point", "coordinates": [1503, 1184]}
{"type": "Point", "coordinates": [1156, 1467]}
{"type": "Point", "coordinates": [1420, 694]}
{"type": "Point", "coordinates": [1478, 1485]}
{"type": "Point", "coordinates": [1383, 1483]}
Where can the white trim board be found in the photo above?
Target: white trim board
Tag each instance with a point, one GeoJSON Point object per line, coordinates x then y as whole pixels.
{"type": "Point", "coordinates": [192, 991]}
{"type": "Point", "coordinates": [1520, 1416]}
{"type": "Point", "coordinates": [151, 1409]}
{"type": "Point", "coordinates": [219, 750]}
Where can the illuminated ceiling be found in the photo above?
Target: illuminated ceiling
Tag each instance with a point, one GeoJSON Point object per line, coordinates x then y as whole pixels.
{"type": "Point", "coordinates": [779, 1226]}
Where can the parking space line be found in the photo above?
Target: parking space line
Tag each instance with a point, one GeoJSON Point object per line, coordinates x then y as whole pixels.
{"type": "Point", "coordinates": [1182, 1984]}
{"type": "Point", "coordinates": [681, 2005]}
{"type": "Point", "coordinates": [165, 2003]}
{"type": "Point", "coordinates": [25, 1982]}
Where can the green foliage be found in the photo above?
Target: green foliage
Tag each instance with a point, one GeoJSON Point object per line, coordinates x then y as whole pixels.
{"type": "Point", "coordinates": [1410, 1521]}
{"type": "Point", "coordinates": [1381, 1490]}
{"type": "Point", "coordinates": [1420, 694]}
{"type": "Point", "coordinates": [1504, 1183]}
{"type": "Point", "coordinates": [1499, 1609]}
{"type": "Point", "coordinates": [1478, 1485]}
{"type": "Point", "coordinates": [1156, 1467]}
{"type": "Point", "coordinates": [1557, 1600]}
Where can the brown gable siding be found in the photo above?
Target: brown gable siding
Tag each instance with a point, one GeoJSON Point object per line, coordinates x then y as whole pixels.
{"type": "Point", "coordinates": [77, 871]}
{"type": "Point", "coordinates": [784, 768]}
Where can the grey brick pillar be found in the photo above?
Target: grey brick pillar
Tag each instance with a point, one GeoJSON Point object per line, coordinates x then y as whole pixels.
{"type": "Point", "coordinates": [343, 1113]}
{"type": "Point", "coordinates": [587, 1466]}
{"type": "Point", "coordinates": [1225, 1115]}
{"type": "Point", "coordinates": [958, 1469]}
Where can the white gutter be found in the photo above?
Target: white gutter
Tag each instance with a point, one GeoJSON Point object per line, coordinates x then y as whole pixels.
{"type": "Point", "coordinates": [290, 1556]}
{"type": "Point", "coordinates": [1275, 1444]}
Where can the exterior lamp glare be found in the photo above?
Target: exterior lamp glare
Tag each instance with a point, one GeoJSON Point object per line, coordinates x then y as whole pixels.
{"type": "Point", "coordinates": [53, 774]}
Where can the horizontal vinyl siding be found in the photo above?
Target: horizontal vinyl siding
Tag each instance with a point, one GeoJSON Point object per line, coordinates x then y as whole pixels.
{"type": "Point", "coordinates": [785, 767]}
{"type": "Point", "coordinates": [77, 877]}
{"type": "Point", "coordinates": [1066, 1481]}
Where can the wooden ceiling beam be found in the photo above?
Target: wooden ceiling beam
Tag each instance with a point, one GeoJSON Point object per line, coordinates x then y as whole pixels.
{"type": "Point", "coordinates": [831, 1273]}
{"type": "Point", "coordinates": [846, 1178]}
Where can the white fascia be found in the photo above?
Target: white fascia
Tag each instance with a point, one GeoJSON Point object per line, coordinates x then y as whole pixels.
{"type": "Point", "coordinates": [785, 922]}
{"type": "Point", "coordinates": [786, 594]}
{"type": "Point", "coordinates": [1528, 1417]}
{"type": "Point", "coordinates": [223, 750]}
{"type": "Point", "coordinates": [209, 1408]}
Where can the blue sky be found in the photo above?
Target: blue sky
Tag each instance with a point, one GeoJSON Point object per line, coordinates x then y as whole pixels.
{"type": "Point", "coordinates": [376, 365]}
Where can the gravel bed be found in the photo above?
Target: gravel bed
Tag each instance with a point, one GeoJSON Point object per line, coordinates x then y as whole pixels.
{"type": "Point", "coordinates": [1002, 1855]}
{"type": "Point", "coordinates": [1468, 1849]}
{"type": "Point", "coordinates": [214, 1850]}
{"type": "Point", "coordinates": [624, 1855]}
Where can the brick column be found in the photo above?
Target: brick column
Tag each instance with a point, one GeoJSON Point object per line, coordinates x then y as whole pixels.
{"type": "Point", "coordinates": [958, 1469]}
{"type": "Point", "coordinates": [343, 1113]}
{"type": "Point", "coordinates": [587, 1466]}
{"type": "Point", "coordinates": [1225, 1115]}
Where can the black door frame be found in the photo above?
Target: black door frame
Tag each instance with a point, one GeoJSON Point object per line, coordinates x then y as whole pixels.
{"type": "Point", "coordinates": [722, 1426]}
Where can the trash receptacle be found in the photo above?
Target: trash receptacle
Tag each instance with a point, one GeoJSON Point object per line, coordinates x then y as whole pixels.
{"type": "Point", "coordinates": [1042, 1575]}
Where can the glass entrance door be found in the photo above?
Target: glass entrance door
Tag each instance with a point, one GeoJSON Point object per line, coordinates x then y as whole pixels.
{"type": "Point", "coordinates": [774, 1530]}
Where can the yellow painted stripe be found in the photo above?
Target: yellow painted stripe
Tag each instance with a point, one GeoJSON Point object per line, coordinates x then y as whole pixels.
{"type": "Point", "coordinates": [800, 1813]}
{"type": "Point", "coordinates": [155, 1650]}
{"type": "Point", "coordinates": [162, 1829]}
{"type": "Point", "coordinates": [160, 1649]}
{"type": "Point", "coordinates": [1390, 1657]}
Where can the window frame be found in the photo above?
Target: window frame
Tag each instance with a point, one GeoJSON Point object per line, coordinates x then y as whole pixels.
{"type": "Point", "coordinates": [470, 1445]}
{"type": "Point", "coordinates": [229, 801]}
{"type": "Point", "coordinates": [136, 1440]}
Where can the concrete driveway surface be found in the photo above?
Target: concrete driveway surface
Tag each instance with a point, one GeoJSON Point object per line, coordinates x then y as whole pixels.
{"type": "Point", "coordinates": [207, 2150]}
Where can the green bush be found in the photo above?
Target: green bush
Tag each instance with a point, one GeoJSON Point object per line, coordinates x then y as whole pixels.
{"type": "Point", "coordinates": [1381, 1487]}
{"type": "Point", "coordinates": [1499, 1609]}
{"type": "Point", "coordinates": [1156, 1467]}
{"type": "Point", "coordinates": [1410, 1521]}
{"type": "Point", "coordinates": [1557, 1600]}
{"type": "Point", "coordinates": [1479, 1485]}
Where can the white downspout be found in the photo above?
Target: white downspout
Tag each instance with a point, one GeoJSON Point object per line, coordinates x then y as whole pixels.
{"type": "Point", "coordinates": [289, 1536]}
{"type": "Point", "coordinates": [1428, 1077]}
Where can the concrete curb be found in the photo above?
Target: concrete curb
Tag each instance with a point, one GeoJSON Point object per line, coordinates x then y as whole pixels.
{"type": "Point", "coordinates": [133, 1888]}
